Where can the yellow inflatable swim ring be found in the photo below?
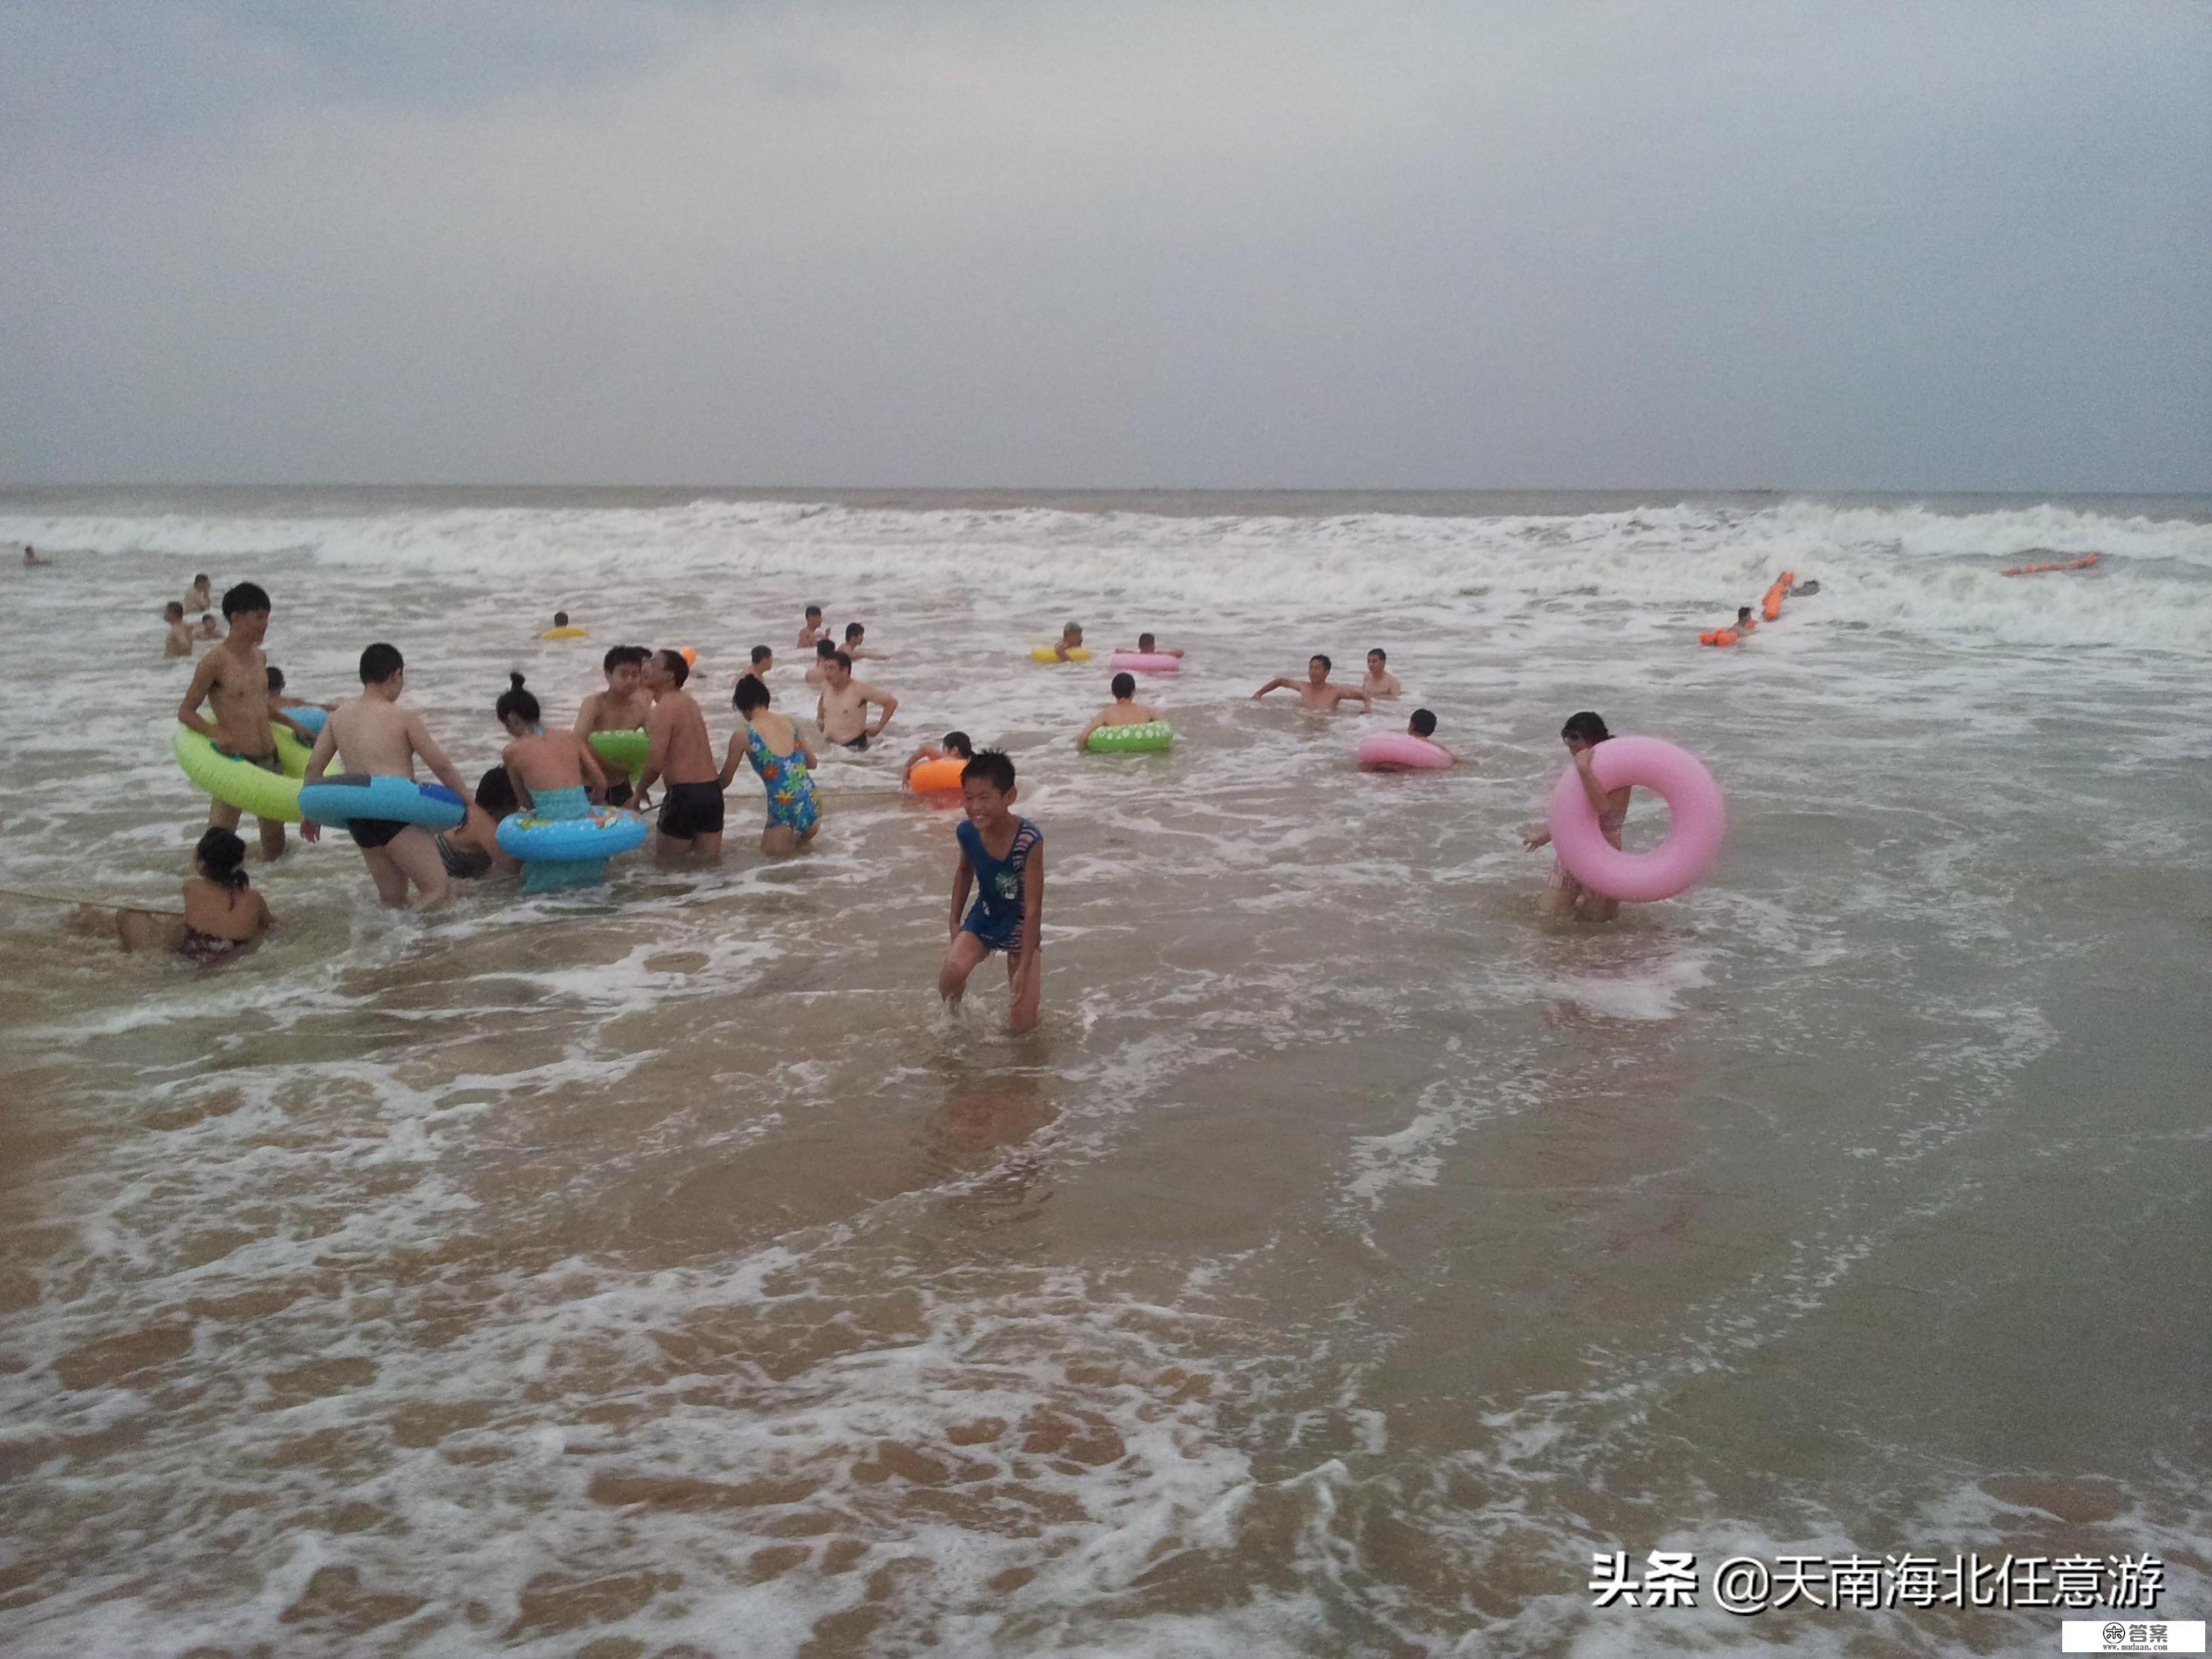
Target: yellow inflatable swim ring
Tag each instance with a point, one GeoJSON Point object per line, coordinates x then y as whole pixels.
{"type": "Point", "coordinates": [240, 783]}
{"type": "Point", "coordinates": [562, 633]}
{"type": "Point", "coordinates": [1051, 653]}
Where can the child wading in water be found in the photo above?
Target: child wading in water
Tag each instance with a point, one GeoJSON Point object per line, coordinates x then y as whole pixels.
{"type": "Point", "coordinates": [1582, 734]}
{"type": "Point", "coordinates": [223, 916]}
{"type": "Point", "coordinates": [1002, 856]}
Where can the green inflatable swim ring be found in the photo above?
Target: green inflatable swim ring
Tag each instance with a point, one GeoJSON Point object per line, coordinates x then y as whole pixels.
{"type": "Point", "coordinates": [241, 784]}
{"type": "Point", "coordinates": [1151, 737]}
{"type": "Point", "coordinates": [627, 750]}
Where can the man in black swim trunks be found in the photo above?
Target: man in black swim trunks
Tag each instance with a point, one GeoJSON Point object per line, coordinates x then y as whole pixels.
{"type": "Point", "coordinates": [691, 808]}
{"type": "Point", "coordinates": [843, 714]}
{"type": "Point", "coordinates": [232, 681]}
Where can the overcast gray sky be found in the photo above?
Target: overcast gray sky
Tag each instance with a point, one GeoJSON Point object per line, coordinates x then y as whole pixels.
{"type": "Point", "coordinates": [1838, 244]}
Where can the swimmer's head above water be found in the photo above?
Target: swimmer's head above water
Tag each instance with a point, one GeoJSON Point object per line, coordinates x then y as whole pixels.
{"type": "Point", "coordinates": [560, 619]}
{"type": "Point", "coordinates": [957, 745]}
{"type": "Point", "coordinates": [1317, 667]}
{"type": "Point", "coordinates": [517, 709]}
{"type": "Point", "coordinates": [1124, 687]}
{"type": "Point", "coordinates": [1583, 731]}
{"type": "Point", "coordinates": [1423, 724]}
{"type": "Point", "coordinates": [381, 664]}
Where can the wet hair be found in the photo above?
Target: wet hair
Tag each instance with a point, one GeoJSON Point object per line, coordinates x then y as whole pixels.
{"type": "Point", "coordinates": [1075, 628]}
{"type": "Point", "coordinates": [825, 649]}
{"type": "Point", "coordinates": [622, 656]}
{"type": "Point", "coordinates": [275, 678]}
{"type": "Point", "coordinates": [1326, 665]}
{"type": "Point", "coordinates": [1379, 652]}
{"type": "Point", "coordinates": [1742, 611]}
{"type": "Point", "coordinates": [841, 661]}
{"type": "Point", "coordinates": [1124, 685]}
{"type": "Point", "coordinates": [198, 580]}
{"type": "Point", "coordinates": [991, 766]}
{"type": "Point", "coordinates": [853, 630]}
{"type": "Point", "coordinates": [813, 610]}
{"type": "Point", "coordinates": [495, 792]}
{"type": "Point", "coordinates": [517, 702]}
{"type": "Point", "coordinates": [244, 597]}
{"type": "Point", "coordinates": [560, 619]}
{"type": "Point", "coordinates": [1423, 723]}
{"type": "Point", "coordinates": [174, 611]}
{"type": "Point", "coordinates": [1144, 643]}
{"type": "Point", "coordinates": [749, 694]}
{"type": "Point", "coordinates": [959, 743]}
{"type": "Point", "coordinates": [222, 855]}
{"type": "Point", "coordinates": [679, 670]}
{"type": "Point", "coordinates": [1584, 727]}
{"type": "Point", "coordinates": [762, 652]}
{"type": "Point", "coordinates": [380, 663]}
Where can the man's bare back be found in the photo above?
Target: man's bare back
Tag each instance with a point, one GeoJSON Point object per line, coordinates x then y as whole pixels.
{"type": "Point", "coordinates": [376, 736]}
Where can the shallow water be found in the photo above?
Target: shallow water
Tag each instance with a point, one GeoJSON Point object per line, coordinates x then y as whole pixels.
{"type": "Point", "coordinates": [1350, 1255]}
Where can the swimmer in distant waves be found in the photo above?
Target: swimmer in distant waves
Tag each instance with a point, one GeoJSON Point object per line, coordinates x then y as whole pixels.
{"type": "Point", "coordinates": [1582, 734]}
{"type": "Point", "coordinates": [842, 714]}
{"type": "Point", "coordinates": [1124, 710]}
{"type": "Point", "coordinates": [1316, 691]}
{"type": "Point", "coordinates": [854, 633]}
{"type": "Point", "coordinates": [560, 619]}
{"type": "Point", "coordinates": [690, 822]}
{"type": "Point", "coordinates": [372, 735]}
{"type": "Point", "coordinates": [1146, 647]}
{"type": "Point", "coordinates": [1746, 619]}
{"type": "Point", "coordinates": [779, 754]}
{"type": "Point", "coordinates": [624, 706]}
{"type": "Point", "coordinates": [180, 642]}
{"type": "Point", "coordinates": [32, 561]}
{"type": "Point", "coordinates": [1380, 681]}
{"type": "Point", "coordinates": [208, 630]}
{"type": "Point", "coordinates": [199, 597]}
{"type": "Point", "coordinates": [763, 659]}
{"type": "Point", "coordinates": [815, 629]}
{"type": "Point", "coordinates": [954, 745]}
{"type": "Point", "coordinates": [1002, 858]}
{"type": "Point", "coordinates": [1069, 642]}
{"type": "Point", "coordinates": [223, 917]}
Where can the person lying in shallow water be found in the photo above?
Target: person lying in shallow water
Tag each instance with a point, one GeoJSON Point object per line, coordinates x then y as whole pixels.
{"type": "Point", "coordinates": [224, 916]}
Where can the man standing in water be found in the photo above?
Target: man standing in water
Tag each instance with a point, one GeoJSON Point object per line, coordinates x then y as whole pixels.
{"type": "Point", "coordinates": [232, 681]}
{"type": "Point", "coordinates": [624, 706]}
{"type": "Point", "coordinates": [1314, 691]}
{"type": "Point", "coordinates": [691, 808]}
{"type": "Point", "coordinates": [374, 735]}
{"type": "Point", "coordinates": [200, 596]}
{"type": "Point", "coordinates": [843, 714]}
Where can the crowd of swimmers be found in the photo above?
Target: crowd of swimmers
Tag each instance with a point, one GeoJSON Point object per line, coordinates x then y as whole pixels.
{"type": "Point", "coordinates": [236, 697]}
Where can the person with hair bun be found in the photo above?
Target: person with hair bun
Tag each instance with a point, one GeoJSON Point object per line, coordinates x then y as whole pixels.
{"type": "Point", "coordinates": [1582, 734]}
{"type": "Point", "coordinates": [554, 772]}
{"type": "Point", "coordinates": [223, 916]}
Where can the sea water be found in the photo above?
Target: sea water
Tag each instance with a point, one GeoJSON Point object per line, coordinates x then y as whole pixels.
{"type": "Point", "coordinates": [1349, 1256]}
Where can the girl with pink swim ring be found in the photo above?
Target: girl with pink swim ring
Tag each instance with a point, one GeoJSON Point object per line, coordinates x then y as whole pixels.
{"type": "Point", "coordinates": [1590, 804]}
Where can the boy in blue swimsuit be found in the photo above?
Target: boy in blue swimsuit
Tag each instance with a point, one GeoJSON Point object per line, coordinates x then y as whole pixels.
{"type": "Point", "coordinates": [1003, 857]}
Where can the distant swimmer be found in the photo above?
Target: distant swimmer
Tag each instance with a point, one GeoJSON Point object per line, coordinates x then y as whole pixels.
{"type": "Point", "coordinates": [1421, 724]}
{"type": "Point", "coordinates": [814, 630]}
{"type": "Point", "coordinates": [31, 559]}
{"type": "Point", "coordinates": [1316, 691]}
{"type": "Point", "coordinates": [817, 673]}
{"type": "Point", "coordinates": [181, 636]}
{"type": "Point", "coordinates": [1002, 859]}
{"type": "Point", "coordinates": [208, 630]}
{"type": "Point", "coordinates": [690, 823]}
{"type": "Point", "coordinates": [372, 735]}
{"type": "Point", "coordinates": [199, 597]}
{"type": "Point", "coordinates": [1804, 590]}
{"type": "Point", "coordinates": [1124, 710]}
{"type": "Point", "coordinates": [953, 745]}
{"type": "Point", "coordinates": [1381, 682]}
{"type": "Point", "coordinates": [780, 756]}
{"type": "Point", "coordinates": [854, 634]}
{"type": "Point", "coordinates": [232, 681]}
{"type": "Point", "coordinates": [841, 715]}
{"type": "Point", "coordinates": [1147, 648]}
{"type": "Point", "coordinates": [280, 708]}
{"type": "Point", "coordinates": [1070, 642]}
{"type": "Point", "coordinates": [1746, 620]}
{"type": "Point", "coordinates": [223, 917]}
{"type": "Point", "coordinates": [763, 660]}
{"type": "Point", "coordinates": [1583, 733]}
{"type": "Point", "coordinates": [624, 706]}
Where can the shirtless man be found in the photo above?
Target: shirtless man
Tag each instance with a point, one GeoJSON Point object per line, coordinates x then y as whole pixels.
{"type": "Point", "coordinates": [373, 734]}
{"type": "Point", "coordinates": [179, 643]}
{"type": "Point", "coordinates": [842, 712]}
{"type": "Point", "coordinates": [624, 706]}
{"type": "Point", "coordinates": [763, 659]}
{"type": "Point", "coordinates": [816, 629]}
{"type": "Point", "coordinates": [200, 596]}
{"type": "Point", "coordinates": [1314, 691]}
{"type": "Point", "coordinates": [854, 633]}
{"type": "Point", "coordinates": [31, 558]}
{"type": "Point", "coordinates": [691, 809]}
{"type": "Point", "coordinates": [817, 675]}
{"type": "Point", "coordinates": [232, 681]}
{"type": "Point", "coordinates": [1380, 681]}
{"type": "Point", "coordinates": [1124, 710]}
{"type": "Point", "coordinates": [1148, 647]}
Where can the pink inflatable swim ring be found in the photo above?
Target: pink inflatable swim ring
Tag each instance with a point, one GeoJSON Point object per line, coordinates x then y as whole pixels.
{"type": "Point", "coordinates": [1692, 840]}
{"type": "Point", "coordinates": [1146, 662]}
{"type": "Point", "coordinates": [1384, 749]}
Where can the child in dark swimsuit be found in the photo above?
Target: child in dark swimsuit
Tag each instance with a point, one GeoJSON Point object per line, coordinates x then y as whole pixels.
{"type": "Point", "coordinates": [471, 849]}
{"type": "Point", "coordinates": [1002, 857]}
{"type": "Point", "coordinates": [223, 917]}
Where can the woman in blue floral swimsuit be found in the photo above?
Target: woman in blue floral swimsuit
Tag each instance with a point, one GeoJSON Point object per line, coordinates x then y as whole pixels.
{"type": "Point", "coordinates": [781, 757]}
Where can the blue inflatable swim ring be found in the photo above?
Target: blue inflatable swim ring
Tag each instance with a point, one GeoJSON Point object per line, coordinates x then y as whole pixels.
{"type": "Point", "coordinates": [399, 800]}
{"type": "Point", "coordinates": [599, 833]}
{"type": "Point", "coordinates": [311, 719]}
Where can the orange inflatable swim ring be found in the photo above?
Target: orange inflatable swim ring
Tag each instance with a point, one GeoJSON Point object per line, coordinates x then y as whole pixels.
{"type": "Point", "coordinates": [926, 775]}
{"type": "Point", "coordinates": [691, 655]}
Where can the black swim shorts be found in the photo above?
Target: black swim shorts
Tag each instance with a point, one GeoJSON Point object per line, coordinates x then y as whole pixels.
{"type": "Point", "coordinates": [618, 793]}
{"type": "Point", "coordinates": [267, 762]}
{"type": "Point", "coordinates": [373, 832]}
{"type": "Point", "coordinates": [691, 809]}
{"type": "Point", "coordinates": [859, 743]}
